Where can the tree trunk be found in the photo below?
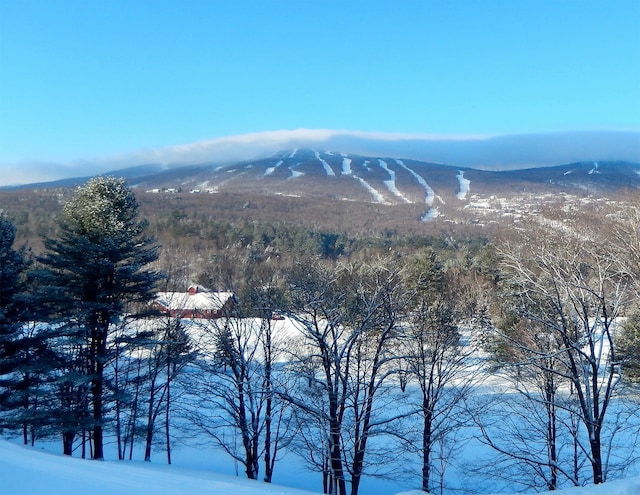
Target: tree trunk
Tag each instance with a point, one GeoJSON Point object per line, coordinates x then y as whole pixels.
{"type": "Point", "coordinates": [67, 442]}
{"type": "Point", "coordinates": [150, 422]}
{"type": "Point", "coordinates": [596, 461]}
{"type": "Point", "coordinates": [326, 474]}
{"type": "Point", "coordinates": [99, 349]}
{"type": "Point", "coordinates": [134, 413]}
{"type": "Point", "coordinates": [25, 405]}
{"type": "Point", "coordinates": [426, 450]}
{"type": "Point", "coordinates": [118, 408]}
{"type": "Point", "coordinates": [337, 470]}
{"type": "Point", "coordinates": [552, 435]}
{"type": "Point", "coordinates": [268, 465]}
{"type": "Point", "coordinates": [167, 406]}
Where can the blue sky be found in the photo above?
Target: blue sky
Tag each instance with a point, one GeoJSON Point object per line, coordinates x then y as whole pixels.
{"type": "Point", "coordinates": [95, 78]}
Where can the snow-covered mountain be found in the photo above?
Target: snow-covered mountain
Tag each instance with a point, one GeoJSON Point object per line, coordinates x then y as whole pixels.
{"type": "Point", "coordinates": [423, 190]}
{"type": "Point", "coordinates": [481, 152]}
{"type": "Point", "coordinates": [383, 178]}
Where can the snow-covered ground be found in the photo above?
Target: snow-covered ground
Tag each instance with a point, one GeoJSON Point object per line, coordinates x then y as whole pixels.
{"type": "Point", "coordinates": [29, 471]}
{"type": "Point", "coordinates": [200, 468]}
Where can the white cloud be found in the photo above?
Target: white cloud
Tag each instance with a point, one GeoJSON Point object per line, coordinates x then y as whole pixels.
{"type": "Point", "coordinates": [218, 150]}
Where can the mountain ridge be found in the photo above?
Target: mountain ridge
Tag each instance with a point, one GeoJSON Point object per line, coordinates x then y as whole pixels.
{"type": "Point", "coordinates": [380, 177]}
{"type": "Point", "coordinates": [497, 152]}
{"type": "Point", "coordinates": [377, 197]}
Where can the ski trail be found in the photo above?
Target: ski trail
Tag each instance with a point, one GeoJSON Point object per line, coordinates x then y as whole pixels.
{"type": "Point", "coordinates": [391, 183]}
{"type": "Point", "coordinates": [294, 173]}
{"type": "Point", "coordinates": [431, 212]}
{"type": "Point", "coordinates": [464, 185]}
{"type": "Point", "coordinates": [270, 170]}
{"type": "Point", "coordinates": [378, 198]}
{"type": "Point", "coordinates": [293, 153]}
{"type": "Point", "coordinates": [346, 170]}
{"type": "Point", "coordinates": [327, 167]}
{"type": "Point", "coordinates": [431, 195]}
{"type": "Point", "coordinates": [346, 166]}
{"type": "Point", "coordinates": [594, 170]}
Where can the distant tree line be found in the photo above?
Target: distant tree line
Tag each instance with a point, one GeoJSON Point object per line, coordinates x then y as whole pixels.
{"type": "Point", "coordinates": [376, 370]}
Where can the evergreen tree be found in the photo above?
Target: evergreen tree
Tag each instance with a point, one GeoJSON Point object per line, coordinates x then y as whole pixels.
{"type": "Point", "coordinates": [13, 265]}
{"type": "Point", "coordinates": [628, 346]}
{"type": "Point", "coordinates": [92, 274]}
{"type": "Point", "coordinates": [15, 342]}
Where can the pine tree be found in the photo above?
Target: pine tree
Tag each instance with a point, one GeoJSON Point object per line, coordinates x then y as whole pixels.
{"type": "Point", "coordinates": [15, 343]}
{"type": "Point", "coordinates": [13, 265]}
{"type": "Point", "coordinates": [95, 271]}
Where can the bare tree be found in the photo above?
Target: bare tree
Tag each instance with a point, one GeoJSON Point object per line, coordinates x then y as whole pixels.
{"type": "Point", "coordinates": [532, 422]}
{"type": "Point", "coordinates": [168, 350]}
{"type": "Point", "coordinates": [436, 359]}
{"type": "Point", "coordinates": [573, 290]}
{"type": "Point", "coordinates": [240, 354]}
{"type": "Point", "coordinates": [348, 318]}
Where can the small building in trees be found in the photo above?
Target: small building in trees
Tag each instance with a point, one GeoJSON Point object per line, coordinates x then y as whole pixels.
{"type": "Point", "coordinates": [196, 302]}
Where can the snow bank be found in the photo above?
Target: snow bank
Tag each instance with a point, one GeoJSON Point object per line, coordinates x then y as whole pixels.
{"type": "Point", "coordinates": [26, 471]}
{"type": "Point", "coordinates": [629, 486]}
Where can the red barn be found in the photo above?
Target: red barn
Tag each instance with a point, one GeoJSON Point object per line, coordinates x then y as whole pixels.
{"type": "Point", "coordinates": [195, 303]}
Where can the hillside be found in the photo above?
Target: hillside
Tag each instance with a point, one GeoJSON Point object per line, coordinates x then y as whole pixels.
{"type": "Point", "coordinates": [386, 180]}
{"type": "Point", "coordinates": [362, 197]}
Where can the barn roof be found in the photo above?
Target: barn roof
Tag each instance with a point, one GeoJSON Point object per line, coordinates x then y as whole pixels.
{"type": "Point", "coordinates": [199, 300]}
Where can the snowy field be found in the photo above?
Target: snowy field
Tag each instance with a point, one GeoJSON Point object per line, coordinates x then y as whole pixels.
{"type": "Point", "coordinates": [198, 467]}
{"type": "Point", "coordinates": [29, 471]}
